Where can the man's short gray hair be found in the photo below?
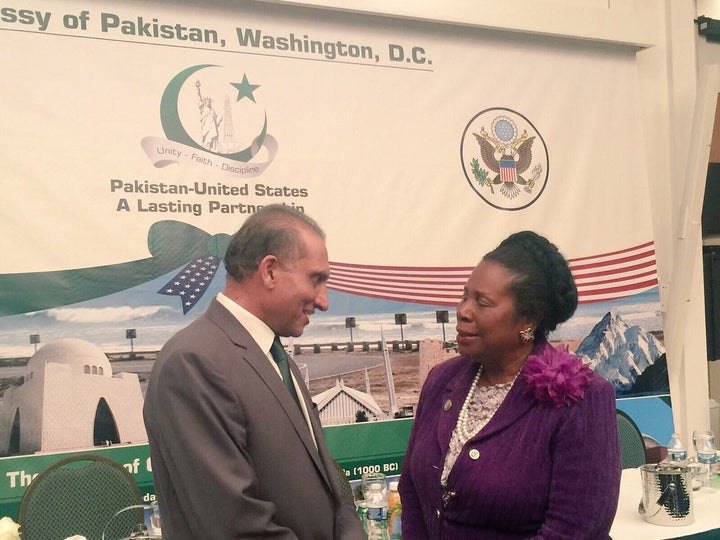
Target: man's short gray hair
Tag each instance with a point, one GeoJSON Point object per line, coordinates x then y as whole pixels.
{"type": "Point", "coordinates": [272, 230]}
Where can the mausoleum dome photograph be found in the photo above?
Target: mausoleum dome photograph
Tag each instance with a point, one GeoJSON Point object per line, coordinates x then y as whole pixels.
{"type": "Point", "coordinates": [70, 399]}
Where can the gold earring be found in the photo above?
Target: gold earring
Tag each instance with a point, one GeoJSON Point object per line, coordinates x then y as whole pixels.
{"type": "Point", "coordinates": [527, 335]}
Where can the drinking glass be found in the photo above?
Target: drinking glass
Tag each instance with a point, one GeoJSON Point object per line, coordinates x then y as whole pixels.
{"type": "Point", "coordinates": [703, 441]}
{"type": "Point", "coordinates": [370, 481]}
{"type": "Point", "coordinates": [703, 464]}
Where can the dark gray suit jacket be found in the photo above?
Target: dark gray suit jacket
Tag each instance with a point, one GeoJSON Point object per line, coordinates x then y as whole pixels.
{"type": "Point", "coordinates": [232, 455]}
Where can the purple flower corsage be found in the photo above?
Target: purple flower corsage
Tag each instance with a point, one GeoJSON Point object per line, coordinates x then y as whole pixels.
{"type": "Point", "coordinates": [556, 376]}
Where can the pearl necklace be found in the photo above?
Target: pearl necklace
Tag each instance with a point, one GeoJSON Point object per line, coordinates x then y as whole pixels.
{"type": "Point", "coordinates": [463, 432]}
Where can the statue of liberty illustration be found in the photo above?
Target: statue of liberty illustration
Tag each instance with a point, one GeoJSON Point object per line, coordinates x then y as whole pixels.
{"type": "Point", "coordinates": [209, 121]}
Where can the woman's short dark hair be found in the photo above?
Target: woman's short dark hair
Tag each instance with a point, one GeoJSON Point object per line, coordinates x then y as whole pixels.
{"type": "Point", "coordinates": [543, 287]}
{"type": "Point", "coordinates": [272, 230]}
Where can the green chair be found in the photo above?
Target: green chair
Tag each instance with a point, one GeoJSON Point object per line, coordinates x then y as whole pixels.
{"type": "Point", "coordinates": [347, 490]}
{"type": "Point", "coordinates": [632, 446]}
{"type": "Point", "coordinates": [82, 495]}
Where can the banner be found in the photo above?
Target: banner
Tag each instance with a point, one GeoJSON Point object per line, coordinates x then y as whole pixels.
{"type": "Point", "coordinates": [140, 135]}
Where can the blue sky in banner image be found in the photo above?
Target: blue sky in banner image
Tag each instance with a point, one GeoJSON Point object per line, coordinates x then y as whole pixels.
{"type": "Point", "coordinates": [156, 317]}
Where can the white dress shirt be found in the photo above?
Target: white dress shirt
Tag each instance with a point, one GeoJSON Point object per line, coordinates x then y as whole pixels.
{"type": "Point", "coordinates": [264, 337]}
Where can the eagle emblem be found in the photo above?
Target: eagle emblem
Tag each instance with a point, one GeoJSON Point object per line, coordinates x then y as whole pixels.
{"type": "Point", "coordinates": [508, 172]}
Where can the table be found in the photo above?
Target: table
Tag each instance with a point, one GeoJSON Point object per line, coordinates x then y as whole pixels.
{"type": "Point", "coordinates": [630, 525]}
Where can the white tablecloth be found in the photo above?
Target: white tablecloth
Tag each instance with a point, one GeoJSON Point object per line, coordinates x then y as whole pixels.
{"type": "Point", "coordinates": [630, 525]}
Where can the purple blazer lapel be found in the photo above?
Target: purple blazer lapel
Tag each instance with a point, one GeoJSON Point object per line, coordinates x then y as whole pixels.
{"type": "Point", "coordinates": [517, 403]}
{"type": "Point", "coordinates": [453, 397]}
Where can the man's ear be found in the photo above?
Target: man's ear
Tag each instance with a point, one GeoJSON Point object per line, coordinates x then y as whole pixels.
{"type": "Point", "coordinates": [268, 270]}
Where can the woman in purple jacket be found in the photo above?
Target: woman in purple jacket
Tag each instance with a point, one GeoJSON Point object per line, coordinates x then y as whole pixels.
{"type": "Point", "coordinates": [513, 438]}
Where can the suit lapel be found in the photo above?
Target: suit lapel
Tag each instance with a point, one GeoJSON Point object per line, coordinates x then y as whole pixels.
{"type": "Point", "coordinates": [314, 421]}
{"type": "Point", "coordinates": [320, 450]}
{"type": "Point", "coordinates": [251, 353]}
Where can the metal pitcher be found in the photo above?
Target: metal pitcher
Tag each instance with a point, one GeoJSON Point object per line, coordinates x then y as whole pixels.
{"type": "Point", "coordinates": [667, 494]}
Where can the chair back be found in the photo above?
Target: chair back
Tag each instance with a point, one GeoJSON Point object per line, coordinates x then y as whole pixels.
{"type": "Point", "coordinates": [346, 489]}
{"type": "Point", "coordinates": [632, 446]}
{"type": "Point", "coordinates": [81, 495]}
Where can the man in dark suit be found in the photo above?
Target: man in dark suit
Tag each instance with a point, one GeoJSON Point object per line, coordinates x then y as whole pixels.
{"type": "Point", "coordinates": [234, 455]}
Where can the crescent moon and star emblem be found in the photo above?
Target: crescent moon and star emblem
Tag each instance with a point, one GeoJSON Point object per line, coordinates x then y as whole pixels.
{"type": "Point", "coordinates": [214, 121]}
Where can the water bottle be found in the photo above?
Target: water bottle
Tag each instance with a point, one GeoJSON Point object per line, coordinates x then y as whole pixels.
{"type": "Point", "coordinates": [676, 452]}
{"type": "Point", "coordinates": [706, 461]}
{"type": "Point", "coordinates": [394, 512]}
{"type": "Point", "coordinates": [378, 530]}
{"type": "Point", "coordinates": [377, 511]}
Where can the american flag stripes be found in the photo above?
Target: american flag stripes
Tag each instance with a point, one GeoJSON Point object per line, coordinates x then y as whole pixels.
{"type": "Point", "coordinates": [616, 274]}
{"type": "Point", "coordinates": [599, 278]}
{"type": "Point", "coordinates": [508, 171]}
